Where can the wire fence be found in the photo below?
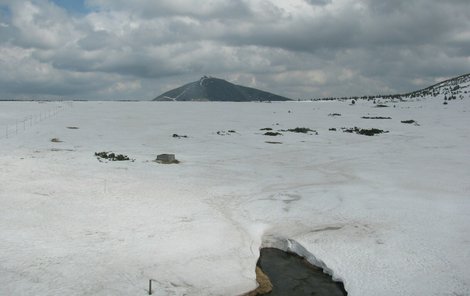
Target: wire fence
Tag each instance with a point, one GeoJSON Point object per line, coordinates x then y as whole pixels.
{"type": "Point", "coordinates": [19, 125]}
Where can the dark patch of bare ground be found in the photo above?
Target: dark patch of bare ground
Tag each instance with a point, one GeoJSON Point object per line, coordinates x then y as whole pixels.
{"type": "Point", "coordinates": [364, 131]}
{"type": "Point", "coordinates": [303, 130]}
{"type": "Point", "coordinates": [272, 134]}
{"type": "Point", "coordinates": [179, 136]}
{"type": "Point", "coordinates": [410, 121]}
{"type": "Point", "coordinates": [290, 274]}
{"type": "Point", "coordinates": [226, 133]}
{"type": "Point", "coordinates": [375, 117]}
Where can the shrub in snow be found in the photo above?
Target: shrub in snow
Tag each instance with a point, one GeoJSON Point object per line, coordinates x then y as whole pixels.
{"type": "Point", "coordinates": [179, 136]}
{"type": "Point", "coordinates": [111, 156]}
{"type": "Point", "coordinates": [300, 130]}
{"type": "Point", "coordinates": [225, 133]}
{"type": "Point", "coordinates": [408, 121]}
{"type": "Point", "coordinates": [411, 121]}
{"type": "Point", "coordinates": [375, 117]}
{"type": "Point", "coordinates": [272, 134]}
{"type": "Point", "coordinates": [364, 131]}
{"type": "Point", "coordinates": [370, 132]}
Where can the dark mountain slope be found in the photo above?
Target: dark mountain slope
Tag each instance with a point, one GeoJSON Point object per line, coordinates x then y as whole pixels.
{"type": "Point", "coordinates": [215, 89]}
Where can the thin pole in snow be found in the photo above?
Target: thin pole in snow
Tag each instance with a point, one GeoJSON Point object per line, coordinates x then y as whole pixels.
{"type": "Point", "coordinates": [150, 287]}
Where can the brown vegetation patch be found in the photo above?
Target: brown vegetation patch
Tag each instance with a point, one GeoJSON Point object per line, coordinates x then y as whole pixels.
{"type": "Point", "coordinates": [264, 284]}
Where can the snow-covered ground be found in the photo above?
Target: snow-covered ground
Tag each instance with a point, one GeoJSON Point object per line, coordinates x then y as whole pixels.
{"type": "Point", "coordinates": [388, 214]}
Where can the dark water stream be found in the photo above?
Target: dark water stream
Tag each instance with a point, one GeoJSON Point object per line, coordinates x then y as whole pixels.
{"type": "Point", "coordinates": [291, 275]}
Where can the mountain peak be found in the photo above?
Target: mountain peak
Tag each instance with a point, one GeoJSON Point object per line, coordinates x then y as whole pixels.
{"type": "Point", "coordinates": [209, 88]}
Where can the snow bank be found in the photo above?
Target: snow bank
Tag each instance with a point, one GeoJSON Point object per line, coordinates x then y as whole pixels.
{"type": "Point", "coordinates": [388, 214]}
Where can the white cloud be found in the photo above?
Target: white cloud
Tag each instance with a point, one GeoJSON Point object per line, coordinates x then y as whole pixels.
{"type": "Point", "coordinates": [300, 48]}
{"type": "Point", "coordinates": [41, 25]}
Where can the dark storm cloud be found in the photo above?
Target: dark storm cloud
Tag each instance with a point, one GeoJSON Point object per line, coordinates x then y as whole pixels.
{"type": "Point", "coordinates": [303, 35]}
{"type": "Point", "coordinates": [298, 48]}
{"type": "Point", "coordinates": [63, 87]}
{"type": "Point", "coordinates": [319, 2]}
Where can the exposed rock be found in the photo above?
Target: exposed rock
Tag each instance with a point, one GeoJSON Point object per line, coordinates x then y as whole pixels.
{"type": "Point", "coordinates": [166, 159]}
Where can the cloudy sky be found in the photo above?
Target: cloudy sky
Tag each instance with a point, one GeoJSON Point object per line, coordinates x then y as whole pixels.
{"type": "Point", "coordinates": [122, 49]}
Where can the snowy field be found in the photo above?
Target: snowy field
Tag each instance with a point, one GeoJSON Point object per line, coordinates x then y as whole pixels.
{"type": "Point", "coordinates": [388, 214]}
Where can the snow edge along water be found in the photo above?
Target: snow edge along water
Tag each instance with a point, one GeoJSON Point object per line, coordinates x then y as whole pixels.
{"type": "Point", "coordinates": [292, 246]}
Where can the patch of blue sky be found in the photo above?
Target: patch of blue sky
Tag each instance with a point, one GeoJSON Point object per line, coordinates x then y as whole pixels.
{"type": "Point", "coordinates": [5, 11]}
{"type": "Point", "coordinates": [73, 6]}
{"type": "Point", "coordinates": [5, 16]}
